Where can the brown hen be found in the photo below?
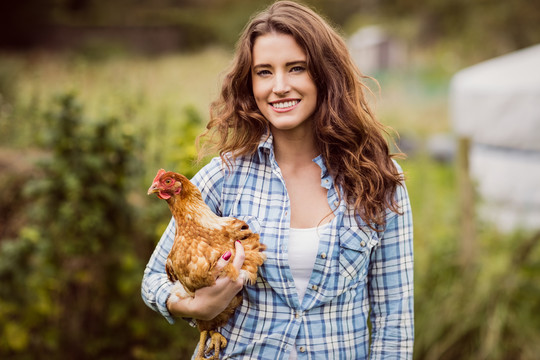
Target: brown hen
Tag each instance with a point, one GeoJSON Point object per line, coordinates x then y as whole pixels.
{"type": "Point", "coordinates": [201, 238]}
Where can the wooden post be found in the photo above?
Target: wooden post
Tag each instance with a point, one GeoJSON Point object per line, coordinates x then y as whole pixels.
{"type": "Point", "coordinates": [467, 246]}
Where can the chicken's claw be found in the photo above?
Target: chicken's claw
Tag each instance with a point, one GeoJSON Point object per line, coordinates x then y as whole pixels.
{"type": "Point", "coordinates": [202, 344]}
{"type": "Point", "coordinates": [217, 342]}
{"type": "Point", "coordinates": [243, 274]}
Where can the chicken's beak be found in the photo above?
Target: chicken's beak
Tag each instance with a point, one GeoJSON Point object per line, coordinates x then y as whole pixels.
{"type": "Point", "coordinates": [153, 189]}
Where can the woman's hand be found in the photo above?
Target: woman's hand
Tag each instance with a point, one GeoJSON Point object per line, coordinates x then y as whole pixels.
{"type": "Point", "coordinates": [209, 301]}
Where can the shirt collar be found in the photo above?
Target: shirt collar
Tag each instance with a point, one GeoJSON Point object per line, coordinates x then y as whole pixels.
{"type": "Point", "coordinates": [266, 146]}
{"type": "Point", "coordinates": [326, 180]}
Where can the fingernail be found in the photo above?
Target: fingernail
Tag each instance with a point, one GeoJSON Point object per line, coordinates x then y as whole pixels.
{"type": "Point", "coordinates": [226, 256]}
{"type": "Point", "coordinates": [238, 241]}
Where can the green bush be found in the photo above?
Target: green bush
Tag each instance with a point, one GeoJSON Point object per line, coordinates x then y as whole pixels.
{"type": "Point", "coordinates": [71, 280]}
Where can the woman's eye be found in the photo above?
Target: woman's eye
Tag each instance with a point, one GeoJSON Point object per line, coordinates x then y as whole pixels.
{"type": "Point", "coordinates": [297, 69]}
{"type": "Point", "coordinates": [263, 72]}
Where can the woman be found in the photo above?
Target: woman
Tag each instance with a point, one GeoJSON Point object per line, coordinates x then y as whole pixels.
{"type": "Point", "coordinates": [306, 164]}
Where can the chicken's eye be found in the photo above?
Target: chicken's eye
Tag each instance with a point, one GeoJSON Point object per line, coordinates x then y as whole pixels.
{"type": "Point", "coordinates": [168, 181]}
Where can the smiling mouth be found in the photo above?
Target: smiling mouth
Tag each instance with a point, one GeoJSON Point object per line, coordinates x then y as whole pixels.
{"type": "Point", "coordinates": [285, 105]}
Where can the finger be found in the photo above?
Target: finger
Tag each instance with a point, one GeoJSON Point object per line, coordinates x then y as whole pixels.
{"type": "Point", "coordinates": [223, 261]}
{"type": "Point", "coordinates": [240, 255]}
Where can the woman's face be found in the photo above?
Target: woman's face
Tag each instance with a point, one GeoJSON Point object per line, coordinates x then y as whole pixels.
{"type": "Point", "coordinates": [284, 90]}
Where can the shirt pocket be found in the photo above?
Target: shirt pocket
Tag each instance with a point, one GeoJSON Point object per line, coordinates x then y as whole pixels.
{"type": "Point", "coordinates": [354, 252]}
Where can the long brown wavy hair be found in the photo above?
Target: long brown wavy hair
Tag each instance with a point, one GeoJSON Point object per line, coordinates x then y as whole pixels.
{"type": "Point", "coordinates": [350, 139]}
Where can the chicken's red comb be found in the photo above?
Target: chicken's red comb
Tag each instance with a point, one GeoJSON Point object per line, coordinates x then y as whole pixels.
{"type": "Point", "coordinates": [159, 173]}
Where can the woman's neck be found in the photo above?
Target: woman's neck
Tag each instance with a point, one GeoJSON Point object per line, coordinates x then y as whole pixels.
{"type": "Point", "coordinates": [294, 149]}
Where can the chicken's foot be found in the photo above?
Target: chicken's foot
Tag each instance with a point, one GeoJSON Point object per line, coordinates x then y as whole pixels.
{"type": "Point", "coordinates": [217, 342]}
{"type": "Point", "coordinates": [202, 344]}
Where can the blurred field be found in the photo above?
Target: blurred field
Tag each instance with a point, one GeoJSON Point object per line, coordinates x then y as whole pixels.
{"type": "Point", "coordinates": [489, 311]}
{"type": "Point", "coordinates": [150, 95]}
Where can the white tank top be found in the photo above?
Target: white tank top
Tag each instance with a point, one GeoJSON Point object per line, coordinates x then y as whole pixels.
{"type": "Point", "coordinates": [303, 247]}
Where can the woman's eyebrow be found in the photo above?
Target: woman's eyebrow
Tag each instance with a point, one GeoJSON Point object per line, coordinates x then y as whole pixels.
{"type": "Point", "coordinates": [297, 62]}
{"type": "Point", "coordinates": [290, 63]}
{"type": "Point", "coordinates": [261, 66]}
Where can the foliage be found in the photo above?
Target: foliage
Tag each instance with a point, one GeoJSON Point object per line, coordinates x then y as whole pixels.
{"type": "Point", "coordinates": [187, 159]}
{"type": "Point", "coordinates": [70, 282]}
{"type": "Point", "coordinates": [487, 311]}
{"type": "Point", "coordinates": [154, 98]}
{"type": "Point", "coordinates": [512, 24]}
{"type": "Point", "coordinates": [9, 70]}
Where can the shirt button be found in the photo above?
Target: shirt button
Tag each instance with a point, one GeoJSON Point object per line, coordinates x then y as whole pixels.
{"type": "Point", "coordinates": [336, 203]}
{"type": "Point", "coordinates": [323, 255]}
{"type": "Point", "coordinates": [302, 349]}
{"type": "Point", "coordinates": [314, 287]}
{"type": "Point", "coordinates": [363, 243]}
{"type": "Point", "coordinates": [297, 315]}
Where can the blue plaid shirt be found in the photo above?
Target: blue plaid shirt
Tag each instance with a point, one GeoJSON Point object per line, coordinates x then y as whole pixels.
{"type": "Point", "coordinates": [357, 272]}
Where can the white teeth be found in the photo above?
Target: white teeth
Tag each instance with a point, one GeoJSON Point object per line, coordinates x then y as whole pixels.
{"type": "Point", "coordinates": [285, 104]}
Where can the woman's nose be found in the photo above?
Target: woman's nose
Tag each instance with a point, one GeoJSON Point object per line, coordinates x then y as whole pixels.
{"type": "Point", "coordinates": [281, 85]}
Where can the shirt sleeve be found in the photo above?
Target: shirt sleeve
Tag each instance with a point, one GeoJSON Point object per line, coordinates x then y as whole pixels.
{"type": "Point", "coordinates": [391, 291]}
{"type": "Point", "coordinates": [156, 286]}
